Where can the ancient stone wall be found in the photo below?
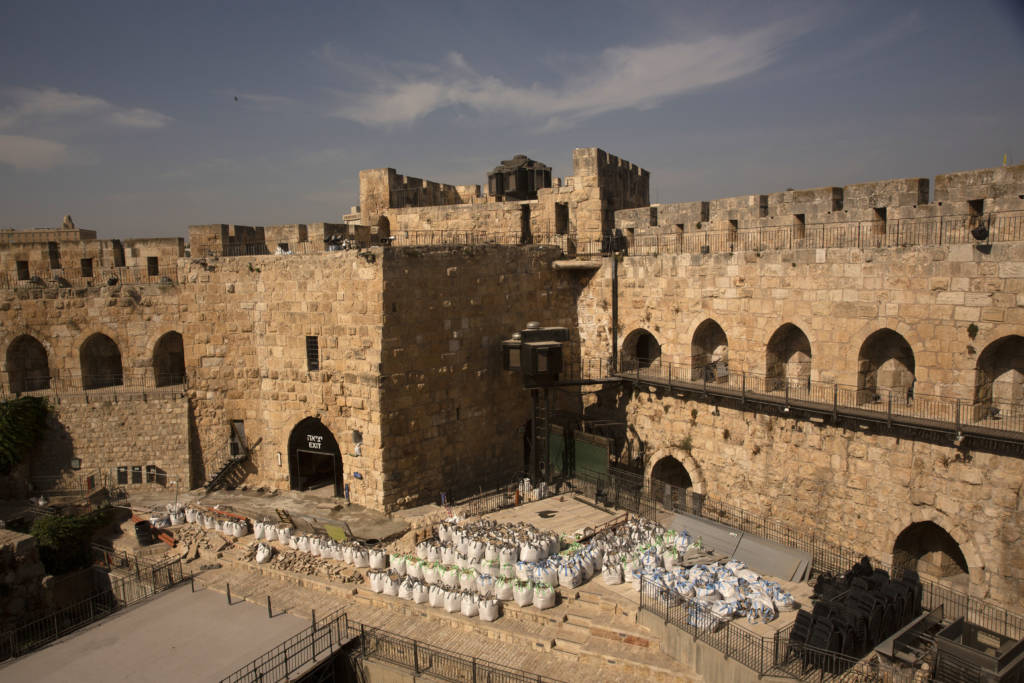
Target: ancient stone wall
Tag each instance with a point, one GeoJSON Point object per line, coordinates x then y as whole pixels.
{"type": "Point", "coordinates": [146, 437]}
{"type": "Point", "coordinates": [950, 304]}
{"type": "Point", "coordinates": [451, 416]}
{"type": "Point", "coordinates": [876, 204]}
{"type": "Point", "coordinates": [246, 321]}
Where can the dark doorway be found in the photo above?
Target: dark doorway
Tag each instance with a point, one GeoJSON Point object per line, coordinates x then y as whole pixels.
{"type": "Point", "coordinates": [169, 360]}
{"type": "Point", "coordinates": [101, 362]}
{"type": "Point", "coordinates": [314, 458]}
{"type": "Point", "coordinates": [932, 552]}
{"type": "Point", "coordinates": [27, 366]}
{"type": "Point", "coordinates": [671, 471]}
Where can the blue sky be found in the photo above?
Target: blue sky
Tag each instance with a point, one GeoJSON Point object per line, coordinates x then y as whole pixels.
{"type": "Point", "coordinates": [124, 114]}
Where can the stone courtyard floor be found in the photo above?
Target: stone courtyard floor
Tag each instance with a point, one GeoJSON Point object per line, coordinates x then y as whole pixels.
{"type": "Point", "coordinates": [176, 636]}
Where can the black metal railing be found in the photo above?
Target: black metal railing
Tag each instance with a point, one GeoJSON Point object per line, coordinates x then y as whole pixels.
{"type": "Point", "coordinates": [318, 640]}
{"type": "Point", "coordinates": [124, 383]}
{"type": "Point", "coordinates": [110, 595]}
{"type": "Point", "coordinates": [990, 419]}
{"type": "Point", "coordinates": [329, 634]}
{"type": "Point", "coordinates": [100, 277]}
{"type": "Point", "coordinates": [897, 232]}
{"type": "Point", "coordinates": [435, 662]}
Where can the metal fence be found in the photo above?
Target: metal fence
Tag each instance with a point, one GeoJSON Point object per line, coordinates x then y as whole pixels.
{"type": "Point", "coordinates": [110, 595]}
{"type": "Point", "coordinates": [435, 662]}
{"type": "Point", "coordinates": [326, 636]}
{"type": "Point", "coordinates": [990, 419]}
{"type": "Point", "coordinates": [897, 232]}
{"type": "Point", "coordinates": [319, 639]}
{"type": "Point", "coordinates": [100, 277]}
{"type": "Point", "coordinates": [98, 386]}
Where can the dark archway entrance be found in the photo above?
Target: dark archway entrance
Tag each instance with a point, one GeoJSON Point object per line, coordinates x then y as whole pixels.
{"type": "Point", "coordinates": [101, 362]}
{"type": "Point", "coordinates": [314, 458]}
{"type": "Point", "coordinates": [929, 549]}
{"type": "Point", "coordinates": [640, 349]}
{"type": "Point", "coordinates": [670, 471]}
{"type": "Point", "coordinates": [169, 360]}
{"type": "Point", "coordinates": [27, 366]}
{"type": "Point", "coordinates": [885, 366]}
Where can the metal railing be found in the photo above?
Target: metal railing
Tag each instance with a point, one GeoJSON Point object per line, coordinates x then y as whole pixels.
{"type": "Point", "coordinates": [319, 639]}
{"type": "Point", "coordinates": [125, 383]}
{"type": "Point", "coordinates": [435, 662]}
{"type": "Point", "coordinates": [896, 232]}
{"type": "Point", "coordinates": [990, 419]}
{"type": "Point", "coordinates": [100, 277]}
{"type": "Point", "coordinates": [326, 636]}
{"type": "Point", "coordinates": [110, 596]}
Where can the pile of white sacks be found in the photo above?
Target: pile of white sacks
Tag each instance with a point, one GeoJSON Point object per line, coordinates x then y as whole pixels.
{"type": "Point", "coordinates": [230, 526]}
{"type": "Point", "coordinates": [644, 551]}
{"type": "Point", "coordinates": [352, 553]}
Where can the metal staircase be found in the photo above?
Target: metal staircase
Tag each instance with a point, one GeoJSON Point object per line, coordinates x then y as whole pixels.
{"type": "Point", "coordinates": [232, 464]}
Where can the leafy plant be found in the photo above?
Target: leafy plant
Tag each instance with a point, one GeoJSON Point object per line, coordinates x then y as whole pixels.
{"type": "Point", "coordinates": [64, 540]}
{"type": "Point", "coordinates": [22, 422]}
{"type": "Point", "coordinates": [972, 330]}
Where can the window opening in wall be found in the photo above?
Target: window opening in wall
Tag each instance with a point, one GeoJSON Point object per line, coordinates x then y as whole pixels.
{"type": "Point", "coordinates": [235, 440]}
{"type": "Point", "coordinates": [282, 247]}
{"type": "Point", "coordinates": [22, 267]}
{"type": "Point", "coordinates": [87, 267]}
{"type": "Point", "coordinates": [562, 218]}
{"type": "Point", "coordinates": [152, 265]}
{"type": "Point", "coordinates": [118, 254]}
{"type": "Point", "coordinates": [312, 353]}
{"type": "Point", "coordinates": [154, 475]}
{"type": "Point", "coordinates": [53, 250]}
{"type": "Point", "coordinates": [799, 225]}
{"type": "Point", "coordinates": [734, 224]}
{"type": "Point", "coordinates": [525, 231]}
{"type": "Point", "coordinates": [136, 474]}
{"type": "Point", "coordinates": [975, 207]}
{"type": "Point", "coordinates": [880, 219]}
{"type": "Point", "coordinates": [122, 474]}
{"type": "Point", "coordinates": [680, 227]}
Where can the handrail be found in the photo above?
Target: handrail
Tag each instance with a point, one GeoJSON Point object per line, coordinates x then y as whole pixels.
{"type": "Point", "coordinates": [987, 419]}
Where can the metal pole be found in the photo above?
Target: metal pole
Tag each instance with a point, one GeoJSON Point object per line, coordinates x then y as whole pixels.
{"type": "Point", "coordinates": [228, 586]}
{"type": "Point", "coordinates": [270, 611]}
{"type": "Point", "coordinates": [535, 399]}
{"type": "Point", "coordinates": [547, 435]}
{"type": "Point", "coordinates": [835, 401]}
{"type": "Point", "coordinates": [314, 619]}
{"type": "Point", "coordinates": [889, 413]}
{"type": "Point", "coordinates": [415, 658]}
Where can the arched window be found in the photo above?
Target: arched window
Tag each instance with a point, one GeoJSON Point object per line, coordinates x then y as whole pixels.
{"type": "Point", "coordinates": [885, 365]}
{"type": "Point", "coordinates": [788, 360]}
{"type": "Point", "coordinates": [169, 360]}
{"type": "Point", "coordinates": [929, 549]}
{"type": "Point", "coordinates": [640, 349]}
{"type": "Point", "coordinates": [999, 379]}
{"type": "Point", "coordinates": [101, 362]}
{"type": "Point", "coordinates": [27, 366]}
{"type": "Point", "coordinates": [709, 353]}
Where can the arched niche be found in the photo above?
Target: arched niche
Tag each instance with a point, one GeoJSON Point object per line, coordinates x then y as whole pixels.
{"type": "Point", "coordinates": [28, 368]}
{"type": "Point", "coordinates": [100, 360]}
{"type": "Point", "coordinates": [169, 360]}
{"type": "Point", "coordinates": [640, 349]}
{"type": "Point", "coordinates": [885, 365]}
{"type": "Point", "coordinates": [788, 359]}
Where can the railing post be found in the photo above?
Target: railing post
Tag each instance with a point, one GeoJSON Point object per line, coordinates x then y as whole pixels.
{"type": "Point", "coordinates": [889, 411]}
{"type": "Point", "coordinates": [670, 375]}
{"type": "Point", "coordinates": [743, 389]}
{"type": "Point", "coordinates": [362, 639]}
{"type": "Point", "coordinates": [835, 401]}
{"type": "Point", "coordinates": [415, 658]}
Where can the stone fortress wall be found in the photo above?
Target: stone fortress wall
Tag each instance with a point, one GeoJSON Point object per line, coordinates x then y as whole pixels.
{"type": "Point", "coordinates": [408, 376]}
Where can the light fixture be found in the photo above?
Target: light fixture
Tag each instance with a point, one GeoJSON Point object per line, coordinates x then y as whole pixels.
{"type": "Point", "coordinates": [958, 441]}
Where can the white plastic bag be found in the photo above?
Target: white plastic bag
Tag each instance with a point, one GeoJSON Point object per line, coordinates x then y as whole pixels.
{"type": "Point", "coordinates": [612, 574]}
{"type": "Point", "coordinates": [470, 606]}
{"type": "Point", "coordinates": [503, 589]}
{"type": "Point", "coordinates": [378, 559]}
{"type": "Point", "coordinates": [522, 593]}
{"type": "Point", "coordinates": [488, 609]}
{"type": "Point", "coordinates": [263, 553]}
{"type": "Point", "coordinates": [543, 597]}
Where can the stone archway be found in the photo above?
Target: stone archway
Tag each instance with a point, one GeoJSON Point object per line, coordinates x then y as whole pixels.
{"type": "Point", "coordinates": [169, 360]}
{"type": "Point", "coordinates": [314, 458]}
{"type": "Point", "coordinates": [28, 368]}
{"type": "Point", "coordinates": [709, 353]}
{"type": "Point", "coordinates": [676, 481]}
{"type": "Point", "coordinates": [788, 359]}
{"type": "Point", "coordinates": [885, 365]}
{"type": "Point", "coordinates": [640, 349]}
{"type": "Point", "coordinates": [100, 360]}
{"type": "Point", "coordinates": [931, 551]}
{"type": "Point", "coordinates": [999, 378]}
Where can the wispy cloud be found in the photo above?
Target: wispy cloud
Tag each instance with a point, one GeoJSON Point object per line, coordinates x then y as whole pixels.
{"type": "Point", "coordinates": [28, 106]}
{"type": "Point", "coordinates": [619, 78]}
{"type": "Point", "coordinates": [28, 153]}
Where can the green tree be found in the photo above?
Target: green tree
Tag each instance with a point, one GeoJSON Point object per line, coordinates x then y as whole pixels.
{"type": "Point", "coordinates": [22, 423]}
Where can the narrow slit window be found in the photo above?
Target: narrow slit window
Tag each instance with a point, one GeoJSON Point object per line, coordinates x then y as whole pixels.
{"type": "Point", "coordinates": [312, 353]}
{"type": "Point", "coordinates": [22, 270]}
{"type": "Point", "coordinates": [87, 267]}
{"type": "Point", "coordinates": [152, 265]}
